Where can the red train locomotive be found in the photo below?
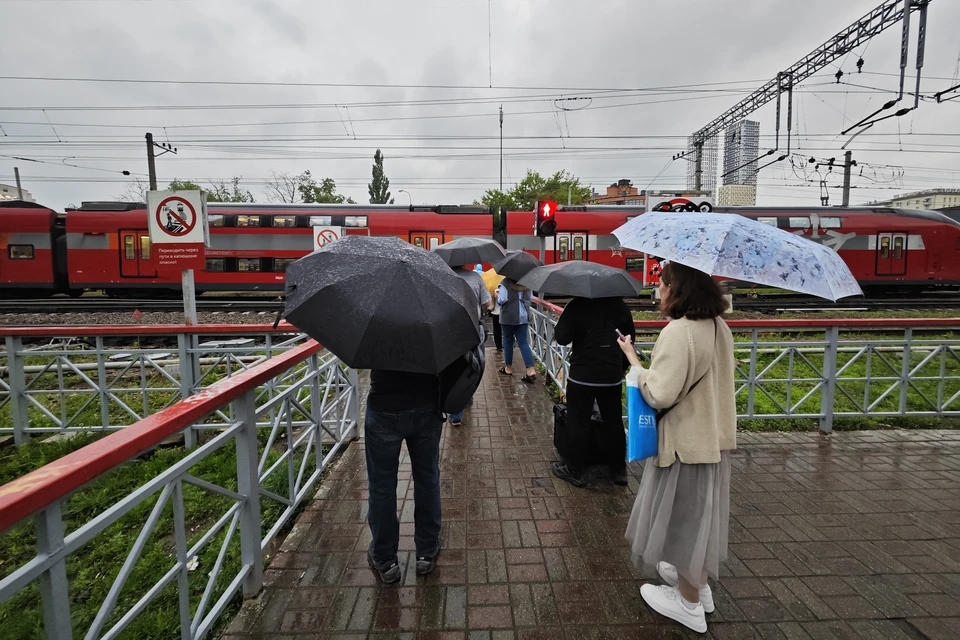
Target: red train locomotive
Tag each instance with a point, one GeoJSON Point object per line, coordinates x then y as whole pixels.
{"type": "Point", "coordinates": [105, 246]}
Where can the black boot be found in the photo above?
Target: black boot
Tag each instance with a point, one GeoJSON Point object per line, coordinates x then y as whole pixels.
{"type": "Point", "coordinates": [570, 474]}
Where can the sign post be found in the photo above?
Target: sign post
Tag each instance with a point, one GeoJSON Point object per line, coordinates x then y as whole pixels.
{"type": "Point", "coordinates": [179, 231]}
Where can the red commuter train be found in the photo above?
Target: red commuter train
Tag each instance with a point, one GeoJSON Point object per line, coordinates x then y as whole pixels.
{"type": "Point", "coordinates": [106, 246]}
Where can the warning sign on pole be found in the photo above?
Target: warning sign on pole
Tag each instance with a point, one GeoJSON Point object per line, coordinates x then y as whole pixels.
{"type": "Point", "coordinates": [323, 236]}
{"type": "Point", "coordinates": [178, 228]}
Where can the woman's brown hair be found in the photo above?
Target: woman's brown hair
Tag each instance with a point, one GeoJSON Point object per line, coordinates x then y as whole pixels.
{"type": "Point", "coordinates": [513, 284]}
{"type": "Point", "coordinates": [693, 294]}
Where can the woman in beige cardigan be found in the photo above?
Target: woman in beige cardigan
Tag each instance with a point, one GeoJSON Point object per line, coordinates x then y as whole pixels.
{"type": "Point", "coordinates": [680, 517]}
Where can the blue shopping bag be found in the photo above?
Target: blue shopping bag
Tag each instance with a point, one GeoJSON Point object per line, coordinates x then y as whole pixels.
{"type": "Point", "coordinates": [641, 422]}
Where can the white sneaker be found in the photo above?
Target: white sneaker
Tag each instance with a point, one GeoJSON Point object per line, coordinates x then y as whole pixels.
{"type": "Point", "coordinates": [666, 602]}
{"type": "Point", "coordinates": [669, 574]}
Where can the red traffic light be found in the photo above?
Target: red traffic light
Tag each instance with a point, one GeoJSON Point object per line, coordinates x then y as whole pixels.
{"type": "Point", "coordinates": [546, 209]}
{"type": "Point", "coordinates": [545, 224]}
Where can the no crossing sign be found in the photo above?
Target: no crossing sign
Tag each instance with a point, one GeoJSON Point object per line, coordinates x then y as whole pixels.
{"type": "Point", "coordinates": [178, 229]}
{"type": "Point", "coordinates": [323, 236]}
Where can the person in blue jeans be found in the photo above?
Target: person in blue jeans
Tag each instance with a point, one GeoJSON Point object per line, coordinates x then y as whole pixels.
{"type": "Point", "coordinates": [402, 407]}
{"type": "Point", "coordinates": [514, 301]}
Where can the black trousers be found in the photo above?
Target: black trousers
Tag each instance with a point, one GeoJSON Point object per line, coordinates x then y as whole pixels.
{"type": "Point", "coordinates": [497, 334]}
{"type": "Point", "coordinates": [612, 441]}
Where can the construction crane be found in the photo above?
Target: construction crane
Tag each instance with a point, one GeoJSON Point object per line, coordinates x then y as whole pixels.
{"type": "Point", "coordinates": [886, 15]}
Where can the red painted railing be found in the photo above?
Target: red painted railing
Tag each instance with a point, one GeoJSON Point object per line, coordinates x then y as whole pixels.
{"type": "Point", "coordinates": [35, 491]}
{"type": "Point", "coordinates": [69, 331]}
{"type": "Point", "coordinates": [803, 323]}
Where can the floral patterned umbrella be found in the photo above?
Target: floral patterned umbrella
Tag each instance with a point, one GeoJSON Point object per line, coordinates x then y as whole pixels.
{"type": "Point", "coordinates": [731, 246]}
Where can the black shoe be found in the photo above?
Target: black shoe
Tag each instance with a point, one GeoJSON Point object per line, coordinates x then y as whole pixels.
{"type": "Point", "coordinates": [619, 477]}
{"type": "Point", "coordinates": [565, 472]}
{"type": "Point", "coordinates": [390, 573]}
{"type": "Point", "coordinates": [426, 564]}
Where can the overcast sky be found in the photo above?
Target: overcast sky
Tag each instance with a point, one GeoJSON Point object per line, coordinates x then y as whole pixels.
{"type": "Point", "coordinates": [441, 144]}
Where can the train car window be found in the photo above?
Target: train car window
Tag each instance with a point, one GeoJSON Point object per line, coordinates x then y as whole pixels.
{"type": "Point", "coordinates": [897, 248]}
{"type": "Point", "coordinates": [129, 252]}
{"type": "Point", "coordinates": [799, 223]}
{"type": "Point", "coordinates": [20, 251]}
{"type": "Point", "coordinates": [831, 223]}
{"type": "Point", "coordinates": [770, 220]}
{"type": "Point", "coordinates": [355, 221]}
{"type": "Point", "coordinates": [634, 264]}
{"type": "Point", "coordinates": [284, 221]}
{"type": "Point", "coordinates": [434, 243]}
{"type": "Point", "coordinates": [144, 247]}
{"type": "Point", "coordinates": [418, 242]}
{"type": "Point", "coordinates": [217, 265]}
{"type": "Point", "coordinates": [564, 247]}
{"type": "Point", "coordinates": [321, 221]}
{"type": "Point", "coordinates": [246, 265]}
{"type": "Point", "coordinates": [578, 248]}
{"type": "Point", "coordinates": [215, 220]}
{"type": "Point", "coordinates": [884, 248]}
{"type": "Point", "coordinates": [280, 264]}
{"type": "Point", "coordinates": [248, 221]}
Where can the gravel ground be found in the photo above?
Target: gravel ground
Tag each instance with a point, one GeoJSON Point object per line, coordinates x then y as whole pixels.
{"type": "Point", "coordinates": [125, 318]}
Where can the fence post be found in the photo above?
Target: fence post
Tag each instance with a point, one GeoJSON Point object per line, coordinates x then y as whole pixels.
{"type": "Point", "coordinates": [54, 588]}
{"type": "Point", "coordinates": [103, 384]}
{"type": "Point", "coordinates": [248, 485]}
{"type": "Point", "coordinates": [18, 389]}
{"type": "Point", "coordinates": [905, 369]}
{"type": "Point", "coordinates": [829, 379]}
{"type": "Point", "coordinates": [187, 382]}
{"type": "Point", "coordinates": [548, 362]}
{"type": "Point", "coordinates": [354, 407]}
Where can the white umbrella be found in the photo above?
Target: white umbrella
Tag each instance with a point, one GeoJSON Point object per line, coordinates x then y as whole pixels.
{"type": "Point", "coordinates": [731, 246]}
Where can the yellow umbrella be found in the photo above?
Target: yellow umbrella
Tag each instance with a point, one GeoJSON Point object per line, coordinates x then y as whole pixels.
{"type": "Point", "coordinates": [492, 280]}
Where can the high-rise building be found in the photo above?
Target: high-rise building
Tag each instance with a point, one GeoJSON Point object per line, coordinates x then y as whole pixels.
{"type": "Point", "coordinates": [737, 195]}
{"type": "Point", "coordinates": [741, 146]}
{"type": "Point", "coordinates": [708, 164]}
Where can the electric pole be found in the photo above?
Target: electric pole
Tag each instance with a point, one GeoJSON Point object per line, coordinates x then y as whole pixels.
{"type": "Point", "coordinates": [501, 148]}
{"type": "Point", "coordinates": [151, 158]}
{"type": "Point", "coordinates": [16, 173]}
{"type": "Point", "coordinates": [848, 164]}
{"type": "Point", "coordinates": [698, 171]}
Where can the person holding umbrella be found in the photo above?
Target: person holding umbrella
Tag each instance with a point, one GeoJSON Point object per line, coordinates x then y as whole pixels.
{"type": "Point", "coordinates": [514, 301]}
{"type": "Point", "coordinates": [591, 322]}
{"type": "Point", "coordinates": [382, 304]}
{"type": "Point", "coordinates": [681, 513]}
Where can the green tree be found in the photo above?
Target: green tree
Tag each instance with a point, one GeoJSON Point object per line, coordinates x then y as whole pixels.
{"type": "Point", "coordinates": [183, 185]}
{"type": "Point", "coordinates": [303, 188]}
{"type": "Point", "coordinates": [378, 187]}
{"type": "Point", "coordinates": [535, 187]}
{"type": "Point", "coordinates": [221, 191]}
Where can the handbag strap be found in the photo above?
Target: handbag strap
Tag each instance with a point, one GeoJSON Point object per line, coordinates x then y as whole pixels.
{"type": "Point", "coordinates": [663, 412]}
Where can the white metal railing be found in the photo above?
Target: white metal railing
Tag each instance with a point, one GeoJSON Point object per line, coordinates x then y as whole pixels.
{"type": "Point", "coordinates": [119, 375]}
{"type": "Point", "coordinates": [290, 416]}
{"type": "Point", "coordinates": [817, 370]}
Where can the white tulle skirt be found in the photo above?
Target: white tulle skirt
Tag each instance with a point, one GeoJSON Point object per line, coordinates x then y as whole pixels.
{"type": "Point", "coordinates": [681, 516]}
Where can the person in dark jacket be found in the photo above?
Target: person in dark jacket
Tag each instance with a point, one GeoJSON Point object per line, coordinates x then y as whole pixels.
{"type": "Point", "coordinates": [402, 406]}
{"type": "Point", "coordinates": [597, 367]}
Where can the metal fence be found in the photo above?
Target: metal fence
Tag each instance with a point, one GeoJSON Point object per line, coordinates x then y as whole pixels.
{"type": "Point", "coordinates": [817, 369]}
{"type": "Point", "coordinates": [288, 417]}
{"type": "Point", "coordinates": [81, 378]}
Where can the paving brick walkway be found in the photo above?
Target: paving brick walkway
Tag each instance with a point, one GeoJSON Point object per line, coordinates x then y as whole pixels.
{"type": "Point", "coordinates": [854, 536]}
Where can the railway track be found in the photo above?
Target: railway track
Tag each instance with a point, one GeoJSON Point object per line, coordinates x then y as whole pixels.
{"type": "Point", "coordinates": [101, 304]}
{"type": "Point", "coordinates": [759, 304]}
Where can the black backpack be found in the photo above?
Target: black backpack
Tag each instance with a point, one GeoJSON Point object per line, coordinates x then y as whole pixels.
{"type": "Point", "coordinates": [461, 379]}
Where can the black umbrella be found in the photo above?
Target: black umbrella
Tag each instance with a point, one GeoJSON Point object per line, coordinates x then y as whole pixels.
{"type": "Point", "coordinates": [515, 264]}
{"type": "Point", "coordinates": [583, 280]}
{"type": "Point", "coordinates": [381, 303]}
{"type": "Point", "coordinates": [461, 251]}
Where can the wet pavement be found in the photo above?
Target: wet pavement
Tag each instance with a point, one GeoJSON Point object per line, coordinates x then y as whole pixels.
{"type": "Point", "coordinates": [854, 536]}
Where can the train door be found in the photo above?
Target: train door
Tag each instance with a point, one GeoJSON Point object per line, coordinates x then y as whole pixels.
{"type": "Point", "coordinates": [136, 254]}
{"type": "Point", "coordinates": [426, 239]}
{"type": "Point", "coordinates": [570, 246]}
{"type": "Point", "coordinates": [892, 253]}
